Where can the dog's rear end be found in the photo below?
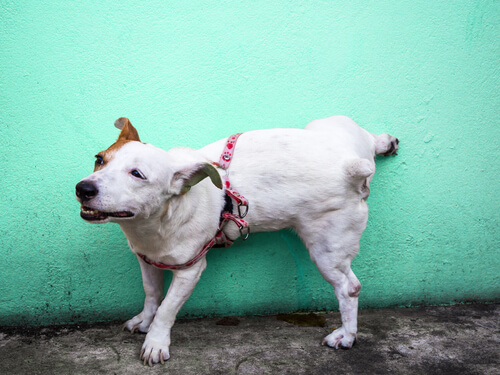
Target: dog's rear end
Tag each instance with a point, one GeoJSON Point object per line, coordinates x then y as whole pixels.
{"type": "Point", "coordinates": [316, 181]}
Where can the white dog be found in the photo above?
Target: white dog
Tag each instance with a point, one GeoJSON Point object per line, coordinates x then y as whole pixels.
{"type": "Point", "coordinates": [313, 180]}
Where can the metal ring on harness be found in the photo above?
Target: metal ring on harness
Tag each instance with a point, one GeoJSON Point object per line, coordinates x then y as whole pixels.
{"type": "Point", "coordinates": [242, 215]}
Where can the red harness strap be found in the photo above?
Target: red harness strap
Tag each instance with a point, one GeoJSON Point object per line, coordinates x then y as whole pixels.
{"type": "Point", "coordinates": [163, 266]}
{"type": "Point", "coordinates": [241, 201]}
{"type": "Point", "coordinates": [220, 239]}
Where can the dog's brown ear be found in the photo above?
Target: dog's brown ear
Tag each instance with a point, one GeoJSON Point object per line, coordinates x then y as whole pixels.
{"type": "Point", "coordinates": [128, 132]}
{"type": "Point", "coordinates": [186, 178]}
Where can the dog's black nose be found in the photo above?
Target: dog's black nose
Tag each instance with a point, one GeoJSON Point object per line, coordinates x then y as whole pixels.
{"type": "Point", "coordinates": [86, 190]}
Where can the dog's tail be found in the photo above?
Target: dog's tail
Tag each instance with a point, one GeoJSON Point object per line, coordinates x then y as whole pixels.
{"type": "Point", "coordinates": [359, 172]}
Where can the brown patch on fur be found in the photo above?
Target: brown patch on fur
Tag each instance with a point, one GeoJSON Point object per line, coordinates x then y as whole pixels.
{"type": "Point", "coordinates": [127, 134]}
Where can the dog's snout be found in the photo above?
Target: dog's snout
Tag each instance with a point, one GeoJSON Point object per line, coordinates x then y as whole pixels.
{"type": "Point", "coordinates": [86, 190]}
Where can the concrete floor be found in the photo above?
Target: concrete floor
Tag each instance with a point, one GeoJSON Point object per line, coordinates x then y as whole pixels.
{"type": "Point", "coordinates": [462, 339]}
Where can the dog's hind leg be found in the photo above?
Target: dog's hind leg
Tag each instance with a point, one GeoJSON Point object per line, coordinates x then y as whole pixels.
{"type": "Point", "coordinates": [332, 243]}
{"type": "Point", "coordinates": [386, 144]}
{"type": "Point", "coordinates": [152, 281]}
{"type": "Point", "coordinates": [347, 289]}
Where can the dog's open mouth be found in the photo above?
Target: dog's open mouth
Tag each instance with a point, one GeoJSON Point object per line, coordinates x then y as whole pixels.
{"type": "Point", "coordinates": [90, 214]}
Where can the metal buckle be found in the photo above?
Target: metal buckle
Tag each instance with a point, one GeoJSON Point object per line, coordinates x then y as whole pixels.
{"type": "Point", "coordinates": [244, 235]}
{"type": "Point", "coordinates": [242, 215]}
{"type": "Point", "coordinates": [240, 223]}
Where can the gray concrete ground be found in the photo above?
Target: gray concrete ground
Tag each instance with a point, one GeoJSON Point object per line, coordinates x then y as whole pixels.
{"type": "Point", "coordinates": [460, 339]}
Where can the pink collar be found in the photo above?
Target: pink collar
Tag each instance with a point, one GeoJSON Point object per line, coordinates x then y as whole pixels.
{"type": "Point", "coordinates": [220, 239]}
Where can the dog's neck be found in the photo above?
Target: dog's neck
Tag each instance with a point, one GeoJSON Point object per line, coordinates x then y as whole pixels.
{"type": "Point", "coordinates": [172, 235]}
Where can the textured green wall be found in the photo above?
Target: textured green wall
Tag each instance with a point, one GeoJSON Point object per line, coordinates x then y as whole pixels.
{"type": "Point", "coordinates": [191, 72]}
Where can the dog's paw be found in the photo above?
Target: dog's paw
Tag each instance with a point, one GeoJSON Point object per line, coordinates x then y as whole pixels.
{"type": "Point", "coordinates": [393, 146]}
{"type": "Point", "coordinates": [154, 351]}
{"type": "Point", "coordinates": [386, 145]}
{"type": "Point", "coordinates": [137, 324]}
{"type": "Point", "coordinates": [340, 338]}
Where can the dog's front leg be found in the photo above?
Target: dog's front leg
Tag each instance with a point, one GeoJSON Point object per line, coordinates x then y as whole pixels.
{"type": "Point", "coordinates": [152, 281]}
{"type": "Point", "coordinates": [156, 346]}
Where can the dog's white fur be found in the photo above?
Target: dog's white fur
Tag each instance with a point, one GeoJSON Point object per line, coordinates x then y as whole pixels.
{"type": "Point", "coordinates": [313, 180]}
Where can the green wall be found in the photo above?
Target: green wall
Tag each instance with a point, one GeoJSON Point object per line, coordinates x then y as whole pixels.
{"type": "Point", "coordinates": [191, 72]}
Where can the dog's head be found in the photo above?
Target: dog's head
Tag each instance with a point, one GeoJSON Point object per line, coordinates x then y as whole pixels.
{"type": "Point", "coordinates": [132, 179]}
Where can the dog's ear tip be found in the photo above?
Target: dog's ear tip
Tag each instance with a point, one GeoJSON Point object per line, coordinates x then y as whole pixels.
{"type": "Point", "coordinates": [128, 132]}
{"type": "Point", "coordinates": [120, 123]}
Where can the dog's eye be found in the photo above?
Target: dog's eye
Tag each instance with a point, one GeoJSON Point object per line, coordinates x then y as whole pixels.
{"type": "Point", "coordinates": [138, 174]}
{"type": "Point", "coordinates": [99, 160]}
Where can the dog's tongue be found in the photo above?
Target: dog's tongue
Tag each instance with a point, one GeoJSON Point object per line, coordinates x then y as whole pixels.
{"type": "Point", "coordinates": [121, 214]}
